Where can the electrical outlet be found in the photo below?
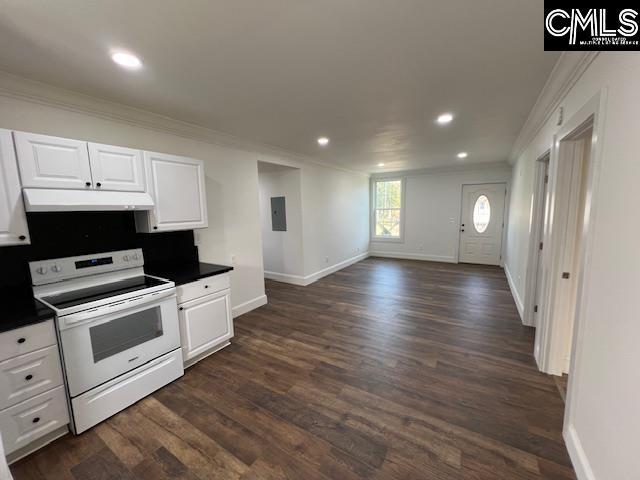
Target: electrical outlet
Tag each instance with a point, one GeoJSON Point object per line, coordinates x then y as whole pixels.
{"type": "Point", "coordinates": [197, 238]}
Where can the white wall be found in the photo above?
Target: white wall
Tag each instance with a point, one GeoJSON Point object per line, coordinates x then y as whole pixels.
{"type": "Point", "coordinates": [432, 211]}
{"type": "Point", "coordinates": [335, 218]}
{"type": "Point", "coordinates": [282, 251]}
{"type": "Point", "coordinates": [604, 384]}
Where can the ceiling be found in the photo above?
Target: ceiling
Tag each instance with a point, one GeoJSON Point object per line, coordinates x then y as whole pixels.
{"type": "Point", "coordinates": [372, 75]}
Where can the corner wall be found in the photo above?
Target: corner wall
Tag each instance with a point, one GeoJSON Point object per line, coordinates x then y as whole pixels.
{"type": "Point", "coordinates": [602, 427]}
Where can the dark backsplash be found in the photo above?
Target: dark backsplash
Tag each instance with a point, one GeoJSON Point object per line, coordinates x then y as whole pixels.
{"type": "Point", "coordinates": [65, 234]}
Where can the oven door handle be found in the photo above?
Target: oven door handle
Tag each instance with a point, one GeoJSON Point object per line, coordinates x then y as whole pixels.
{"type": "Point", "coordinates": [150, 299]}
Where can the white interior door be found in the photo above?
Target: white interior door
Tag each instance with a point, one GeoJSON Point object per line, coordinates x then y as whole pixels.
{"type": "Point", "coordinates": [482, 223]}
{"type": "Point", "coordinates": [116, 168]}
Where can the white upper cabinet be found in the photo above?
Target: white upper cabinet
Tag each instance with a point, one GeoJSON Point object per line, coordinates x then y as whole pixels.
{"type": "Point", "coordinates": [13, 221]}
{"type": "Point", "coordinates": [116, 168]}
{"type": "Point", "coordinates": [52, 162]}
{"type": "Point", "coordinates": [177, 186]}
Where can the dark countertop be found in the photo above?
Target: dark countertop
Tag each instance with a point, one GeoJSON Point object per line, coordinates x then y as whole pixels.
{"type": "Point", "coordinates": [20, 309]}
{"type": "Point", "coordinates": [181, 273]}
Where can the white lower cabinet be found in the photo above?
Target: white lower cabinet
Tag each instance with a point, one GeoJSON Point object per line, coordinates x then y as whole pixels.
{"type": "Point", "coordinates": [27, 421]}
{"type": "Point", "coordinates": [33, 402]}
{"type": "Point", "coordinates": [206, 323]}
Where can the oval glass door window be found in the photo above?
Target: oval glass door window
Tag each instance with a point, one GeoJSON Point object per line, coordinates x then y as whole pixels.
{"type": "Point", "coordinates": [481, 214]}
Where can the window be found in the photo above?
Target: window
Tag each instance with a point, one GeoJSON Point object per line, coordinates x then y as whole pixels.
{"type": "Point", "coordinates": [387, 209]}
{"type": "Point", "coordinates": [481, 214]}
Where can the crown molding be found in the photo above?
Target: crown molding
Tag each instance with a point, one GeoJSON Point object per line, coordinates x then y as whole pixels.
{"type": "Point", "coordinates": [20, 88]}
{"type": "Point", "coordinates": [566, 72]}
{"type": "Point", "coordinates": [446, 170]}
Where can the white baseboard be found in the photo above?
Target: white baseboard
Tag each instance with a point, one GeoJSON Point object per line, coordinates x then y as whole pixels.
{"type": "Point", "coordinates": [577, 454]}
{"type": "Point", "coordinates": [248, 306]}
{"type": "Point", "coordinates": [514, 293]}
{"type": "Point", "coordinates": [309, 279]}
{"type": "Point", "coordinates": [415, 256]}
{"type": "Point", "coordinates": [285, 278]}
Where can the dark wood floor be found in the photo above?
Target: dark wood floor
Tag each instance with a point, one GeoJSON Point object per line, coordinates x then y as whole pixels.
{"type": "Point", "coordinates": [388, 369]}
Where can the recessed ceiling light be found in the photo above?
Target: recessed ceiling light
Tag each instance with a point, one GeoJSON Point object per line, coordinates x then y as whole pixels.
{"type": "Point", "coordinates": [381, 164]}
{"type": "Point", "coordinates": [126, 60]}
{"type": "Point", "coordinates": [444, 118]}
{"type": "Point", "coordinates": [463, 155]}
{"type": "Point", "coordinates": [323, 141]}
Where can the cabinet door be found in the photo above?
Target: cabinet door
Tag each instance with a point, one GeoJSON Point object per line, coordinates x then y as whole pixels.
{"type": "Point", "coordinates": [116, 168]}
{"type": "Point", "coordinates": [205, 323]}
{"type": "Point", "coordinates": [13, 221]}
{"type": "Point", "coordinates": [52, 162]}
{"type": "Point", "coordinates": [177, 187]}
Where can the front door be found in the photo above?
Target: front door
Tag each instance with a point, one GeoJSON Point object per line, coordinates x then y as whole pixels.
{"type": "Point", "coordinates": [482, 223]}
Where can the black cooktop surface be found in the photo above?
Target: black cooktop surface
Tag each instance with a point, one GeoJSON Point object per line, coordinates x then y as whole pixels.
{"type": "Point", "coordinates": [91, 294]}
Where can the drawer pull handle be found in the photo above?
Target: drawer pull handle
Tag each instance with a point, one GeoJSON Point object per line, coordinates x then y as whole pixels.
{"type": "Point", "coordinates": [28, 377]}
{"type": "Point", "coordinates": [36, 420]}
{"type": "Point", "coordinates": [21, 340]}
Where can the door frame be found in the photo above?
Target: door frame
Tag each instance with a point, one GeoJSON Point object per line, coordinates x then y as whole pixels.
{"type": "Point", "coordinates": [550, 335]}
{"type": "Point", "coordinates": [503, 232]}
{"type": "Point", "coordinates": [537, 228]}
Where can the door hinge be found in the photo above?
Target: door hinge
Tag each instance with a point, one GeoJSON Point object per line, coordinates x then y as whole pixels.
{"type": "Point", "coordinates": [535, 309]}
{"type": "Point", "coordinates": [566, 275]}
{"type": "Point", "coordinates": [541, 243]}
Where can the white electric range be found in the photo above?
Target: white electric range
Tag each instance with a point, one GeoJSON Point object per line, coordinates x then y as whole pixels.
{"type": "Point", "coordinates": [118, 330]}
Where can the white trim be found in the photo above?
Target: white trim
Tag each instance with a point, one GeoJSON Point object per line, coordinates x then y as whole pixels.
{"type": "Point", "coordinates": [445, 170]}
{"type": "Point", "coordinates": [514, 292]}
{"type": "Point", "coordinates": [13, 86]}
{"type": "Point", "coordinates": [415, 256]}
{"type": "Point", "coordinates": [567, 71]}
{"type": "Point", "coordinates": [284, 278]}
{"type": "Point", "coordinates": [577, 454]}
{"type": "Point", "coordinates": [309, 279]}
{"type": "Point", "coordinates": [248, 306]}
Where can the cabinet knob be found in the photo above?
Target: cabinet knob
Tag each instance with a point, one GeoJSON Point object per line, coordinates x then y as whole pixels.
{"type": "Point", "coordinates": [21, 340]}
{"type": "Point", "coordinates": [36, 420]}
{"type": "Point", "coordinates": [98, 184]}
{"type": "Point", "coordinates": [28, 377]}
{"type": "Point", "coordinates": [155, 228]}
{"type": "Point", "coordinates": [206, 286]}
{"type": "Point", "coordinates": [181, 308]}
{"type": "Point", "coordinates": [22, 237]}
{"type": "Point", "coordinates": [88, 184]}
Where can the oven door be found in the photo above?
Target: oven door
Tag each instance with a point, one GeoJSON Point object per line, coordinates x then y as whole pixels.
{"type": "Point", "coordinates": [105, 342]}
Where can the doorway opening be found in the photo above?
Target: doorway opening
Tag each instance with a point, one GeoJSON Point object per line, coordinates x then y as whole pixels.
{"type": "Point", "coordinates": [281, 222]}
{"type": "Point", "coordinates": [482, 223]}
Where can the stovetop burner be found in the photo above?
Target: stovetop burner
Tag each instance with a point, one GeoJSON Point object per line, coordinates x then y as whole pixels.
{"type": "Point", "coordinates": [81, 296]}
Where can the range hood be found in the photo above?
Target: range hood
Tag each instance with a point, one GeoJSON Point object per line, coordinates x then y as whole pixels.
{"type": "Point", "coordinates": [49, 200]}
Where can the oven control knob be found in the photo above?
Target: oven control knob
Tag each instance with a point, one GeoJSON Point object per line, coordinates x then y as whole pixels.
{"type": "Point", "coordinates": [42, 270]}
{"type": "Point", "coordinates": [56, 269]}
{"type": "Point", "coordinates": [126, 258]}
{"type": "Point", "coordinates": [135, 256]}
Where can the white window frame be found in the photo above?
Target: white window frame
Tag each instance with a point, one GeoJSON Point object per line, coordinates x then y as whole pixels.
{"type": "Point", "coordinates": [378, 238]}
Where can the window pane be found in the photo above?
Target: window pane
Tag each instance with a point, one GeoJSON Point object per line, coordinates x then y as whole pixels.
{"type": "Point", "coordinates": [388, 223]}
{"type": "Point", "coordinates": [481, 214]}
{"type": "Point", "coordinates": [389, 194]}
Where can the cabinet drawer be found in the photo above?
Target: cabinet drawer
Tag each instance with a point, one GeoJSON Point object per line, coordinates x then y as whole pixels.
{"type": "Point", "coordinates": [27, 339]}
{"type": "Point", "coordinates": [27, 421]}
{"type": "Point", "coordinates": [202, 287]}
{"type": "Point", "coordinates": [28, 375]}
